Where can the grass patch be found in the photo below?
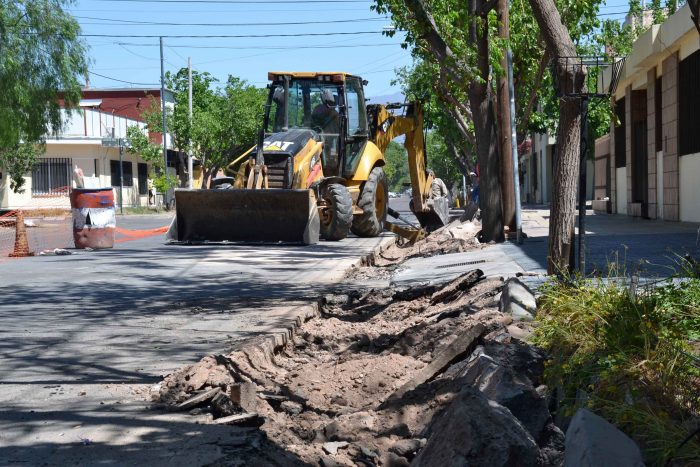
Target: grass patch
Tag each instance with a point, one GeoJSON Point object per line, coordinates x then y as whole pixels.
{"type": "Point", "coordinates": [143, 210]}
{"type": "Point", "coordinates": [47, 212]}
{"type": "Point", "coordinates": [632, 357]}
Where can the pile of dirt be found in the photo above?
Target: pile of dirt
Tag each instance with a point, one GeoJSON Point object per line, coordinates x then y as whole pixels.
{"type": "Point", "coordinates": [381, 377]}
{"type": "Point", "coordinates": [456, 237]}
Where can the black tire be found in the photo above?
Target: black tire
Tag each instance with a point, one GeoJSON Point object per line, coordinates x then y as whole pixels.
{"type": "Point", "coordinates": [374, 203]}
{"type": "Point", "coordinates": [336, 221]}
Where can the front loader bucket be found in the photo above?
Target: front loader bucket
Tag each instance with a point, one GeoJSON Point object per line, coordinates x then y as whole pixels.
{"type": "Point", "coordinates": [273, 215]}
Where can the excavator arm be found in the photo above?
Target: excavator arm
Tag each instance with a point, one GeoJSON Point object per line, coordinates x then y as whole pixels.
{"type": "Point", "coordinates": [431, 213]}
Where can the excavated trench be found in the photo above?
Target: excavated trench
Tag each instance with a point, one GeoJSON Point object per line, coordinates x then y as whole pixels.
{"type": "Point", "coordinates": [386, 377]}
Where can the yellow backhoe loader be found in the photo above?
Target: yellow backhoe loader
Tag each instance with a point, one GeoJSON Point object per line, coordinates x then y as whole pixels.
{"type": "Point", "coordinates": [316, 170]}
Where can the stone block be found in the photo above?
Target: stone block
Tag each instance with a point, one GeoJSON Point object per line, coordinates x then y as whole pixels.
{"type": "Point", "coordinates": [244, 395]}
{"type": "Point", "coordinates": [591, 441]}
{"type": "Point", "coordinates": [518, 300]}
{"type": "Point", "coordinates": [476, 431]}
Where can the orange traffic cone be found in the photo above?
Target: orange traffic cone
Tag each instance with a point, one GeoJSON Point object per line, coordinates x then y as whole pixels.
{"type": "Point", "coordinates": [21, 241]}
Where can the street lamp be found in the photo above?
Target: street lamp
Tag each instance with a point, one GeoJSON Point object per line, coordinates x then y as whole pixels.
{"type": "Point", "coordinates": [694, 6]}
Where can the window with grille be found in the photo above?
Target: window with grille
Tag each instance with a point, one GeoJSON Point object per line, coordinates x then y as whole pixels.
{"type": "Point", "coordinates": [52, 176]}
{"type": "Point", "coordinates": [688, 104]}
{"type": "Point", "coordinates": [620, 135]}
{"type": "Point", "coordinates": [128, 173]}
{"type": "Point", "coordinates": [143, 178]}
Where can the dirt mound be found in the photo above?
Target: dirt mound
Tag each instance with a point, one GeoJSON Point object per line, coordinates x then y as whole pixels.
{"type": "Point", "coordinates": [367, 382]}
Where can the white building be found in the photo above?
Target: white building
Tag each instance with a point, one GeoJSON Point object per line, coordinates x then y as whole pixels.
{"type": "Point", "coordinates": [103, 114]}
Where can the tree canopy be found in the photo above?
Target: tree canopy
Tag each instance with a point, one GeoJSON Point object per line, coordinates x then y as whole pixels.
{"type": "Point", "coordinates": [41, 55]}
{"type": "Point", "coordinates": [224, 118]}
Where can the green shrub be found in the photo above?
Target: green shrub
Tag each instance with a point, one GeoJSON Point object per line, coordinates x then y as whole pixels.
{"type": "Point", "coordinates": [630, 356]}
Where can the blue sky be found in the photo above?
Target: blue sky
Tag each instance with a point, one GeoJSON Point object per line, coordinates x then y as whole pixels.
{"type": "Point", "coordinates": [136, 60]}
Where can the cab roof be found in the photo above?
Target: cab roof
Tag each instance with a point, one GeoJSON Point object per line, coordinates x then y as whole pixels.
{"type": "Point", "coordinates": [334, 75]}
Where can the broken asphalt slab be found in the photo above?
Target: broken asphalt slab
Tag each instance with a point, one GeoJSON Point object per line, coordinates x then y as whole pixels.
{"type": "Point", "coordinates": [492, 260]}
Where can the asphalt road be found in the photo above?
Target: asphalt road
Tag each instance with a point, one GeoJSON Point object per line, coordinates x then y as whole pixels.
{"type": "Point", "coordinates": [84, 338]}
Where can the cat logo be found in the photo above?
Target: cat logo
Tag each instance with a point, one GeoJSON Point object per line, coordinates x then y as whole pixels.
{"type": "Point", "coordinates": [276, 145]}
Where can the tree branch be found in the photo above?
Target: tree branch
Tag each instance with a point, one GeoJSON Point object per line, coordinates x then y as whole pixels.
{"type": "Point", "coordinates": [442, 52]}
{"type": "Point", "coordinates": [487, 7]}
{"type": "Point", "coordinates": [533, 93]}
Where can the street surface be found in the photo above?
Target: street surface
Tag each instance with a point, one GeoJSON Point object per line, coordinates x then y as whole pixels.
{"type": "Point", "coordinates": [86, 336]}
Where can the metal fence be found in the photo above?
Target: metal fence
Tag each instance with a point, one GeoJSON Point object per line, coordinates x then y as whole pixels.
{"type": "Point", "coordinates": [52, 177]}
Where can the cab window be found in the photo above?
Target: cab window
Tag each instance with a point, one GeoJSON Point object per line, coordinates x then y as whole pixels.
{"type": "Point", "coordinates": [356, 125]}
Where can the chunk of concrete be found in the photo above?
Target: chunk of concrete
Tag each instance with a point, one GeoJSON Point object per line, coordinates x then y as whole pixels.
{"type": "Point", "coordinates": [199, 399]}
{"type": "Point", "coordinates": [407, 447]}
{"type": "Point", "coordinates": [348, 427]}
{"type": "Point", "coordinates": [332, 447]}
{"type": "Point", "coordinates": [518, 300]}
{"type": "Point", "coordinates": [501, 385]}
{"type": "Point", "coordinates": [592, 441]}
{"type": "Point", "coordinates": [244, 395]}
{"type": "Point", "coordinates": [476, 431]}
{"type": "Point", "coordinates": [458, 347]}
{"type": "Point", "coordinates": [291, 407]}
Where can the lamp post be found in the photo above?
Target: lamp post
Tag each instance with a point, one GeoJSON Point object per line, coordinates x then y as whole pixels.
{"type": "Point", "coordinates": [694, 7]}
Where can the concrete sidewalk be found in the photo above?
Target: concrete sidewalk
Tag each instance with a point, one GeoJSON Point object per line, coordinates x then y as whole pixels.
{"type": "Point", "coordinates": [648, 248]}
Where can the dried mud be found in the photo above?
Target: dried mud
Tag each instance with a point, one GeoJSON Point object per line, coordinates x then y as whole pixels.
{"type": "Point", "coordinates": [332, 380]}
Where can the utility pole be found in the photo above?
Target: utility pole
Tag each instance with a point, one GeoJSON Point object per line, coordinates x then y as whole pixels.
{"type": "Point", "coordinates": [189, 143]}
{"type": "Point", "coordinates": [121, 173]}
{"type": "Point", "coordinates": [162, 108]}
{"type": "Point", "coordinates": [504, 139]}
{"type": "Point", "coordinates": [514, 149]}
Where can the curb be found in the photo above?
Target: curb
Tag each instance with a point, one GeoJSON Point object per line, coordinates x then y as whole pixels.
{"type": "Point", "coordinates": [368, 259]}
{"type": "Point", "coordinates": [266, 346]}
{"type": "Point", "coordinates": [270, 344]}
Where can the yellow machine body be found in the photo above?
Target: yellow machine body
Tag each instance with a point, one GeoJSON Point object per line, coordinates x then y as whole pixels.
{"type": "Point", "coordinates": [295, 176]}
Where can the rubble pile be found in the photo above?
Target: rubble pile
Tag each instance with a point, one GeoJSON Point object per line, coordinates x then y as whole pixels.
{"type": "Point", "coordinates": [387, 377]}
{"type": "Point", "coordinates": [456, 237]}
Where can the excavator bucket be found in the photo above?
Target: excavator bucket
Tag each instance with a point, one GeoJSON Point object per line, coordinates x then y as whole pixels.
{"type": "Point", "coordinates": [437, 216]}
{"type": "Point", "coordinates": [254, 216]}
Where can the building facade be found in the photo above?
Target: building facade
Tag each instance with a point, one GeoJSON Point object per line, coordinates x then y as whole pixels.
{"type": "Point", "coordinates": [650, 162]}
{"type": "Point", "coordinates": [104, 114]}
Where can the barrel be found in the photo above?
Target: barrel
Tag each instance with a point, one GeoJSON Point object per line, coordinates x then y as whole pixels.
{"type": "Point", "coordinates": [94, 217]}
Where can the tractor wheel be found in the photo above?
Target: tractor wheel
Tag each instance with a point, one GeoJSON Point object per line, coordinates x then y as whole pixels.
{"type": "Point", "coordinates": [374, 204]}
{"type": "Point", "coordinates": [336, 219]}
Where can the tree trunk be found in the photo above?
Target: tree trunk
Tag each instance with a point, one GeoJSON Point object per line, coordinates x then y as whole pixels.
{"type": "Point", "coordinates": [566, 160]}
{"type": "Point", "coordinates": [485, 130]}
{"type": "Point", "coordinates": [505, 147]}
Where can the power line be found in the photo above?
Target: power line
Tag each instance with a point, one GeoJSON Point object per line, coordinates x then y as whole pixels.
{"type": "Point", "coordinates": [218, 10]}
{"type": "Point", "coordinates": [154, 23]}
{"type": "Point", "coordinates": [121, 80]}
{"type": "Point", "coordinates": [176, 52]}
{"type": "Point", "coordinates": [271, 47]}
{"type": "Point", "coordinates": [275, 2]}
{"type": "Point", "coordinates": [224, 36]}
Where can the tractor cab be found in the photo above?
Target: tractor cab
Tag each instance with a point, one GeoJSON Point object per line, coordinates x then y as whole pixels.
{"type": "Point", "coordinates": [330, 104]}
